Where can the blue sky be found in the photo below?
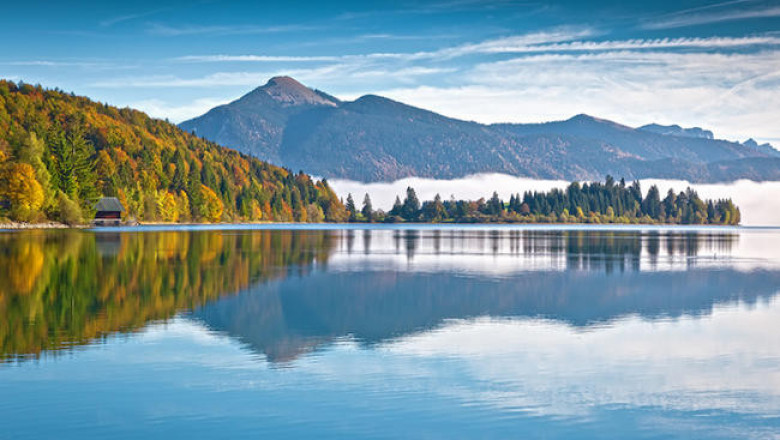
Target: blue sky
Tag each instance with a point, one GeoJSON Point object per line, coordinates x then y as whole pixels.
{"type": "Point", "coordinates": [702, 63]}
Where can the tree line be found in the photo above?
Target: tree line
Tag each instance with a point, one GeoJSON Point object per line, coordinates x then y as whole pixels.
{"type": "Point", "coordinates": [597, 202]}
{"type": "Point", "coordinates": [59, 153]}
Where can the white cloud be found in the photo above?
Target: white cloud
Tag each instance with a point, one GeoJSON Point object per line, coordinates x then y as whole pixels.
{"type": "Point", "coordinates": [551, 369]}
{"type": "Point", "coordinates": [212, 80]}
{"type": "Point", "coordinates": [658, 43]}
{"type": "Point", "coordinates": [177, 113]}
{"type": "Point", "coordinates": [253, 58]}
{"type": "Point", "coordinates": [714, 14]}
{"type": "Point", "coordinates": [221, 30]}
{"type": "Point", "coordinates": [55, 63]}
{"type": "Point", "coordinates": [501, 45]}
{"type": "Point", "coordinates": [736, 95]}
{"type": "Point", "coordinates": [709, 81]}
{"type": "Point", "coordinates": [551, 42]}
{"type": "Point", "coordinates": [129, 17]}
{"type": "Point", "coordinates": [327, 73]}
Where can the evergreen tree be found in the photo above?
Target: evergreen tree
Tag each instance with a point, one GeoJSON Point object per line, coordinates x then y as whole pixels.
{"type": "Point", "coordinates": [351, 209]}
{"type": "Point", "coordinates": [84, 168]}
{"type": "Point", "coordinates": [651, 205]}
{"type": "Point", "coordinates": [194, 194]}
{"type": "Point", "coordinates": [495, 206]}
{"type": "Point", "coordinates": [368, 209]}
{"type": "Point", "coordinates": [411, 207]}
{"type": "Point", "coordinates": [397, 207]}
{"type": "Point", "coordinates": [64, 174]}
{"type": "Point", "coordinates": [434, 211]}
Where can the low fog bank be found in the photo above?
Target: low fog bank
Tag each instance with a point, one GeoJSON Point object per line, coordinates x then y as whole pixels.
{"type": "Point", "coordinates": [758, 201]}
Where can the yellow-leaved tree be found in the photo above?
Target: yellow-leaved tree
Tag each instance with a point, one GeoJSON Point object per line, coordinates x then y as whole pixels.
{"type": "Point", "coordinates": [212, 205]}
{"type": "Point", "coordinates": [21, 190]}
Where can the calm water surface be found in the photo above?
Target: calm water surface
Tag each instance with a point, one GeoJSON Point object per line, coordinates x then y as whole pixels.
{"type": "Point", "coordinates": [477, 332]}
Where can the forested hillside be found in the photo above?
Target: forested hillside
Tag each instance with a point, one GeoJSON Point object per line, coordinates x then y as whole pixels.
{"type": "Point", "coordinates": [59, 153]}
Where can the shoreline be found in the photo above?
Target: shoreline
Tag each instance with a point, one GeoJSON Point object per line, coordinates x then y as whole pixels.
{"type": "Point", "coordinates": [45, 225]}
{"type": "Point", "coordinates": [16, 226]}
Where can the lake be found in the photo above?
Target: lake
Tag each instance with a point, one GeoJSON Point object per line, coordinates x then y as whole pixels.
{"type": "Point", "coordinates": [390, 332]}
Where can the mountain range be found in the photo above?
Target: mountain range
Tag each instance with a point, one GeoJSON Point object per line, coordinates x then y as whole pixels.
{"type": "Point", "coordinates": [377, 139]}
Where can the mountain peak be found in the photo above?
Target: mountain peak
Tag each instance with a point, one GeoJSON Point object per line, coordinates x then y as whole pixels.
{"type": "Point", "coordinates": [582, 117]}
{"type": "Point", "coordinates": [765, 147]}
{"type": "Point", "coordinates": [750, 143]}
{"type": "Point", "coordinates": [290, 93]}
{"type": "Point", "coordinates": [285, 82]}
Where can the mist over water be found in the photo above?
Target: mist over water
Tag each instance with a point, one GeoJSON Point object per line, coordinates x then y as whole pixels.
{"type": "Point", "coordinates": [755, 200]}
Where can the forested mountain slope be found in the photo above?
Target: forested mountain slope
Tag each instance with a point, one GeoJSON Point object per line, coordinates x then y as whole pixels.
{"type": "Point", "coordinates": [59, 153]}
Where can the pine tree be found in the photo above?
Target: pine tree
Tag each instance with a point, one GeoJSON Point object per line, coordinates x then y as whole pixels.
{"type": "Point", "coordinates": [651, 205]}
{"type": "Point", "coordinates": [495, 206]}
{"type": "Point", "coordinates": [63, 175]}
{"type": "Point", "coordinates": [194, 193]}
{"type": "Point", "coordinates": [368, 209]}
{"type": "Point", "coordinates": [411, 206]}
{"type": "Point", "coordinates": [84, 168]}
{"type": "Point", "coordinates": [397, 207]}
{"type": "Point", "coordinates": [351, 209]}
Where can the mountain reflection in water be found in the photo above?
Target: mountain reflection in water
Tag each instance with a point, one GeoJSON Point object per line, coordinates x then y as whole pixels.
{"type": "Point", "coordinates": [287, 292]}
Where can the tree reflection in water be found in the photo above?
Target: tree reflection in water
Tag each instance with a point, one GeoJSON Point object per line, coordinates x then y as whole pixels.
{"type": "Point", "coordinates": [64, 288]}
{"type": "Point", "coordinates": [285, 292]}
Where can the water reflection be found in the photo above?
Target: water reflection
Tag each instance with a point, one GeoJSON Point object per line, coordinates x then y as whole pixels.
{"type": "Point", "coordinates": [390, 333]}
{"type": "Point", "coordinates": [286, 292]}
{"type": "Point", "coordinates": [301, 313]}
{"type": "Point", "coordinates": [59, 289]}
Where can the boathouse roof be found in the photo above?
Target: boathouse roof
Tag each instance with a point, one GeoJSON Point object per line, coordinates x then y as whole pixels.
{"type": "Point", "coordinates": [109, 204]}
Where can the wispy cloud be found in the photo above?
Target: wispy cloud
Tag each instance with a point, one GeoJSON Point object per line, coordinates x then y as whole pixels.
{"type": "Point", "coordinates": [660, 43]}
{"type": "Point", "coordinates": [177, 113]}
{"type": "Point", "coordinates": [175, 31]}
{"type": "Point", "coordinates": [526, 42]}
{"type": "Point", "coordinates": [429, 8]}
{"type": "Point", "coordinates": [729, 84]}
{"type": "Point", "coordinates": [129, 17]}
{"type": "Point", "coordinates": [60, 64]}
{"type": "Point", "coordinates": [227, 79]}
{"type": "Point", "coordinates": [717, 13]}
{"type": "Point", "coordinates": [532, 43]}
{"type": "Point", "coordinates": [735, 94]}
{"type": "Point", "coordinates": [403, 74]}
{"type": "Point", "coordinates": [220, 79]}
{"type": "Point", "coordinates": [254, 58]}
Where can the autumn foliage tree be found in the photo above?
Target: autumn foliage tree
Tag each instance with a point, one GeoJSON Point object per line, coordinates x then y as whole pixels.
{"type": "Point", "coordinates": [59, 153]}
{"type": "Point", "coordinates": [21, 190]}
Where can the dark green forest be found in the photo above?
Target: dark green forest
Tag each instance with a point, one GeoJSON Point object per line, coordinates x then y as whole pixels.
{"type": "Point", "coordinates": [607, 202]}
{"type": "Point", "coordinates": [59, 153]}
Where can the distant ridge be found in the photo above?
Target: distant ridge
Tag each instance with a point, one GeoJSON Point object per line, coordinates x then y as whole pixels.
{"type": "Point", "coordinates": [377, 139]}
{"type": "Point", "coordinates": [676, 130]}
